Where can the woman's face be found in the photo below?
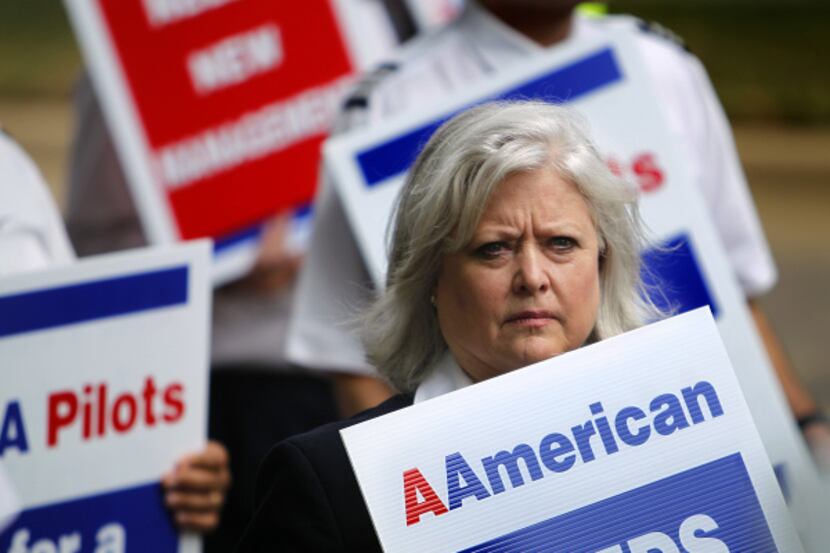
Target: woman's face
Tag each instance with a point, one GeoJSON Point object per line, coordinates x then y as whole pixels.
{"type": "Point", "coordinates": [526, 288]}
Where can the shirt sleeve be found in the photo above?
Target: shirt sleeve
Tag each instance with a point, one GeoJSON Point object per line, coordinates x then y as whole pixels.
{"type": "Point", "coordinates": [332, 288]}
{"type": "Point", "coordinates": [728, 197]}
{"type": "Point", "coordinates": [334, 285]}
{"type": "Point", "coordinates": [696, 119]}
{"type": "Point", "coordinates": [31, 229]}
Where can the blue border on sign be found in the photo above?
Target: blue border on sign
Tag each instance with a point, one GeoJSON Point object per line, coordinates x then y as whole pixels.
{"type": "Point", "coordinates": [89, 301]}
{"type": "Point", "coordinates": [222, 243]}
{"type": "Point", "coordinates": [673, 277]}
{"type": "Point", "coordinates": [563, 85]}
{"type": "Point", "coordinates": [254, 232]}
{"type": "Point", "coordinates": [136, 514]}
{"type": "Point", "coordinates": [720, 490]}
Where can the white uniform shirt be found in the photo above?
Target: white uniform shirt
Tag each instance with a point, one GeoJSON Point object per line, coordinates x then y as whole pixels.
{"type": "Point", "coordinates": [334, 282]}
{"type": "Point", "coordinates": [445, 377]}
{"type": "Point", "coordinates": [32, 235]}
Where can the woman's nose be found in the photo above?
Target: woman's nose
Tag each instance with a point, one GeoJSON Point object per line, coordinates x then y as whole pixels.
{"type": "Point", "coordinates": [531, 276]}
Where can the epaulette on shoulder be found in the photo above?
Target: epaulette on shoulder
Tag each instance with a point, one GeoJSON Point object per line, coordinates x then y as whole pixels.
{"type": "Point", "coordinates": [359, 97]}
{"type": "Point", "coordinates": [658, 30]}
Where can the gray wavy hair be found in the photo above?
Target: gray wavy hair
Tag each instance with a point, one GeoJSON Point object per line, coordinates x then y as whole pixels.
{"type": "Point", "coordinates": [445, 195]}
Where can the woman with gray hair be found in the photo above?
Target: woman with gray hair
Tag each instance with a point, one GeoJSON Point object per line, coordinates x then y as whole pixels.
{"type": "Point", "coordinates": [512, 242]}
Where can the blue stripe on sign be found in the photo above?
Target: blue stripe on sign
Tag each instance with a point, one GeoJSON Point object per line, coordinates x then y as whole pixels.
{"type": "Point", "coordinates": [304, 211]}
{"type": "Point", "coordinates": [131, 519]}
{"type": "Point", "coordinates": [223, 242]}
{"type": "Point", "coordinates": [672, 275]}
{"type": "Point", "coordinates": [254, 232]}
{"type": "Point", "coordinates": [89, 301]}
{"type": "Point", "coordinates": [719, 493]}
{"type": "Point", "coordinates": [560, 86]}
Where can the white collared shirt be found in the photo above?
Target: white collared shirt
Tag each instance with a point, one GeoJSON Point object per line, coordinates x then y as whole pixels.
{"type": "Point", "coordinates": [32, 235]}
{"type": "Point", "coordinates": [445, 377]}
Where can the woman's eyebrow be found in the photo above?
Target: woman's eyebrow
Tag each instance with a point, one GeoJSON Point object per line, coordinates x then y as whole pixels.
{"type": "Point", "coordinates": [498, 231]}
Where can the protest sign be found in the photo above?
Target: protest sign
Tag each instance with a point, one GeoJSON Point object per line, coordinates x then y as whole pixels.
{"type": "Point", "coordinates": [641, 443]}
{"type": "Point", "coordinates": [218, 108]}
{"type": "Point", "coordinates": [104, 386]}
{"type": "Point", "coordinates": [596, 79]}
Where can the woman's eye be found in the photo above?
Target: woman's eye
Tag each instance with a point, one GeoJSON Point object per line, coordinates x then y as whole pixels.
{"type": "Point", "coordinates": [491, 249]}
{"type": "Point", "coordinates": [562, 243]}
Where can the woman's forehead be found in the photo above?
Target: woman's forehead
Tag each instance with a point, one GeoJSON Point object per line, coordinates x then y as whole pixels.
{"type": "Point", "coordinates": [541, 193]}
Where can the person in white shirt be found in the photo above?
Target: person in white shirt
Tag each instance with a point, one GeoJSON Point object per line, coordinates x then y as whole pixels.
{"type": "Point", "coordinates": [490, 35]}
{"type": "Point", "coordinates": [32, 237]}
{"type": "Point", "coordinates": [31, 229]}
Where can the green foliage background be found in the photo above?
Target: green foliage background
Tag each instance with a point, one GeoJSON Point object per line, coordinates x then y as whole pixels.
{"type": "Point", "coordinates": [767, 58]}
{"type": "Point", "coordinates": [38, 54]}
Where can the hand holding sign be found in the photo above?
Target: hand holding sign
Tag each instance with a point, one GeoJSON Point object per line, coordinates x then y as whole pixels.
{"type": "Point", "coordinates": [277, 264]}
{"type": "Point", "coordinates": [195, 488]}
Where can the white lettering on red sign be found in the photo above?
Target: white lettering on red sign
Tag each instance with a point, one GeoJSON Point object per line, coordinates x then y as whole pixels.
{"type": "Point", "coordinates": [235, 59]}
{"type": "Point", "coordinates": [270, 129]}
{"type": "Point", "coordinates": [164, 12]}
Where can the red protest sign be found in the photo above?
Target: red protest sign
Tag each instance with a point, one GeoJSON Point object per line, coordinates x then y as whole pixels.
{"type": "Point", "coordinates": [234, 101]}
{"type": "Point", "coordinates": [231, 99]}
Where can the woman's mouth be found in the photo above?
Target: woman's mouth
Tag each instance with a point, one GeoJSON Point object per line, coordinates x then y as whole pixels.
{"type": "Point", "coordinates": [532, 318]}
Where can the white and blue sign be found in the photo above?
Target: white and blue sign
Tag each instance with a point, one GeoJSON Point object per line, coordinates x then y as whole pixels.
{"type": "Point", "coordinates": [104, 386]}
{"type": "Point", "coordinates": [641, 443]}
{"type": "Point", "coordinates": [368, 168]}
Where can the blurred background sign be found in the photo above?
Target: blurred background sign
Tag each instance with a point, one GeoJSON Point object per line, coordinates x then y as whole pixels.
{"type": "Point", "coordinates": [104, 386]}
{"type": "Point", "coordinates": [218, 108]}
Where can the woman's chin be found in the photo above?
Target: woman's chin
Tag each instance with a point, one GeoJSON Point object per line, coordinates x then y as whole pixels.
{"type": "Point", "coordinates": [534, 351]}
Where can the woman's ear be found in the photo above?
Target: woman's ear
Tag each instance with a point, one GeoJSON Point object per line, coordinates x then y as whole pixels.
{"type": "Point", "coordinates": [432, 296]}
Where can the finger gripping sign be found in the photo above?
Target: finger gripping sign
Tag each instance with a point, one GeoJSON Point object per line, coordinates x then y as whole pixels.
{"type": "Point", "coordinates": [641, 443]}
{"type": "Point", "coordinates": [219, 107]}
{"type": "Point", "coordinates": [103, 388]}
